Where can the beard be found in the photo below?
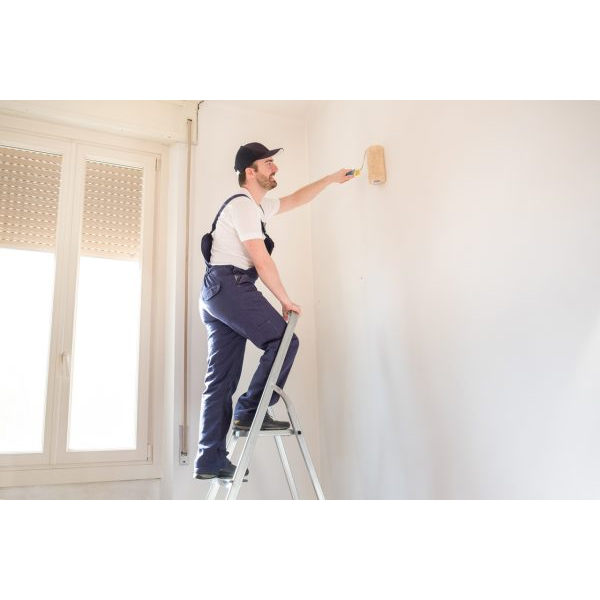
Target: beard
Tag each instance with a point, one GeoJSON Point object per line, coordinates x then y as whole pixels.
{"type": "Point", "coordinates": [266, 183]}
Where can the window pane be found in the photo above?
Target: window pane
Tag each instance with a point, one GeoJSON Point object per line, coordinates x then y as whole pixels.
{"type": "Point", "coordinates": [29, 192]}
{"type": "Point", "coordinates": [25, 318]}
{"type": "Point", "coordinates": [103, 411]}
{"type": "Point", "coordinates": [104, 392]}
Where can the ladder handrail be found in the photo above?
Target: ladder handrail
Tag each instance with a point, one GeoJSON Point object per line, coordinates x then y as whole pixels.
{"type": "Point", "coordinates": [263, 405]}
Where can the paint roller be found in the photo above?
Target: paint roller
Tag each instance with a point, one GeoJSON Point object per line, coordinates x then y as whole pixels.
{"type": "Point", "coordinates": [375, 165]}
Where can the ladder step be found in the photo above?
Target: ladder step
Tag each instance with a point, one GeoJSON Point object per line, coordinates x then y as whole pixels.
{"type": "Point", "coordinates": [226, 482]}
{"type": "Point", "coordinates": [268, 432]}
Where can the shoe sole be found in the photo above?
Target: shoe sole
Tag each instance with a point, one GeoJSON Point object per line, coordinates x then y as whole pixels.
{"type": "Point", "coordinates": [225, 480]}
{"type": "Point", "coordinates": [216, 475]}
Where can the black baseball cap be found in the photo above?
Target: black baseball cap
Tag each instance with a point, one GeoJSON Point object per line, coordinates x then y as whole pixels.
{"type": "Point", "coordinates": [248, 153]}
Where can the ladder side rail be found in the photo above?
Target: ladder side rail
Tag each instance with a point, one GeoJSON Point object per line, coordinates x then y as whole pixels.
{"type": "Point", "coordinates": [286, 468]}
{"type": "Point", "coordinates": [221, 483]}
{"type": "Point", "coordinates": [285, 464]}
{"type": "Point", "coordinates": [261, 411]}
{"type": "Point", "coordinates": [213, 490]}
{"type": "Point", "coordinates": [301, 442]}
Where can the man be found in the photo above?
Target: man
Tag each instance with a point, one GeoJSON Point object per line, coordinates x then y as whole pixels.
{"type": "Point", "coordinates": [234, 311]}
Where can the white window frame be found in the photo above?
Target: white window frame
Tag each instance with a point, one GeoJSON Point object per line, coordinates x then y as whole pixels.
{"type": "Point", "coordinates": [55, 464]}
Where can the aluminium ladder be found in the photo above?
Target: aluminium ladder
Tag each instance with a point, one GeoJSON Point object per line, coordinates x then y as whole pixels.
{"type": "Point", "coordinates": [232, 486]}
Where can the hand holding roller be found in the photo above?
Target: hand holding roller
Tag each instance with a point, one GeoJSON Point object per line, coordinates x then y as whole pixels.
{"type": "Point", "coordinates": [375, 165]}
{"type": "Point", "coordinates": [356, 172]}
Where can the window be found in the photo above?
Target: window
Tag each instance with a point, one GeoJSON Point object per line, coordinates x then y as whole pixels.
{"type": "Point", "coordinates": [76, 266]}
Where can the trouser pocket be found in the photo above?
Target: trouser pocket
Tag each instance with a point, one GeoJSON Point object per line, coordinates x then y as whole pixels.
{"type": "Point", "coordinates": [210, 292]}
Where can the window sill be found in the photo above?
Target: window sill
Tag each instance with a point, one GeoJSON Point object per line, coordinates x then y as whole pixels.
{"type": "Point", "coordinates": [18, 477]}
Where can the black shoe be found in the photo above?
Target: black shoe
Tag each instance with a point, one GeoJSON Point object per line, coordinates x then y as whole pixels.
{"type": "Point", "coordinates": [269, 423]}
{"type": "Point", "coordinates": [226, 472]}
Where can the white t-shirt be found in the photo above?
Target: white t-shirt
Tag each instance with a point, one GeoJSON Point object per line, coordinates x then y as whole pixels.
{"type": "Point", "coordinates": [239, 222]}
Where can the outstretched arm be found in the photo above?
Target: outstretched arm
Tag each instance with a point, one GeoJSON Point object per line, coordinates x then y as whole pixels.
{"type": "Point", "coordinates": [310, 191]}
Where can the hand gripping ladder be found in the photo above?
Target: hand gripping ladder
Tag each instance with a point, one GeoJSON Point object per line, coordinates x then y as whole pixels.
{"type": "Point", "coordinates": [232, 486]}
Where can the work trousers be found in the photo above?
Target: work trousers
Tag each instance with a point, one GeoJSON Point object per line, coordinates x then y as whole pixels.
{"type": "Point", "coordinates": [234, 311]}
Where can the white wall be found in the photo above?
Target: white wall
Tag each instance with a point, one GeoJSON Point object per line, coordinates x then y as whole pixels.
{"type": "Point", "coordinates": [458, 305]}
{"type": "Point", "coordinates": [223, 127]}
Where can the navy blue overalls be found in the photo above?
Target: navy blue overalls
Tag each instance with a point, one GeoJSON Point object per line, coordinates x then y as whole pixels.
{"type": "Point", "coordinates": [234, 311]}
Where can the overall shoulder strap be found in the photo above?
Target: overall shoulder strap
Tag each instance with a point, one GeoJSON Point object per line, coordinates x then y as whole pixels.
{"type": "Point", "coordinates": [214, 225]}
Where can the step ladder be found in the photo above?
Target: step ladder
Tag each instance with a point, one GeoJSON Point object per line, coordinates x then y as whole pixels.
{"type": "Point", "coordinates": [232, 486]}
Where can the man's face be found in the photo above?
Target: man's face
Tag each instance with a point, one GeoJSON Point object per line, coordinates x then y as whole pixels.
{"type": "Point", "coordinates": [265, 173]}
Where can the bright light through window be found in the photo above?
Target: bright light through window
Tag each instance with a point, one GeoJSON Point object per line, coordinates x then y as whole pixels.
{"type": "Point", "coordinates": [25, 320]}
{"type": "Point", "coordinates": [103, 411]}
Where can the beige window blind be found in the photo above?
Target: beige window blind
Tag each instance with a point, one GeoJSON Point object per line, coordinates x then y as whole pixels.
{"type": "Point", "coordinates": [112, 211]}
{"type": "Point", "coordinates": [29, 190]}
